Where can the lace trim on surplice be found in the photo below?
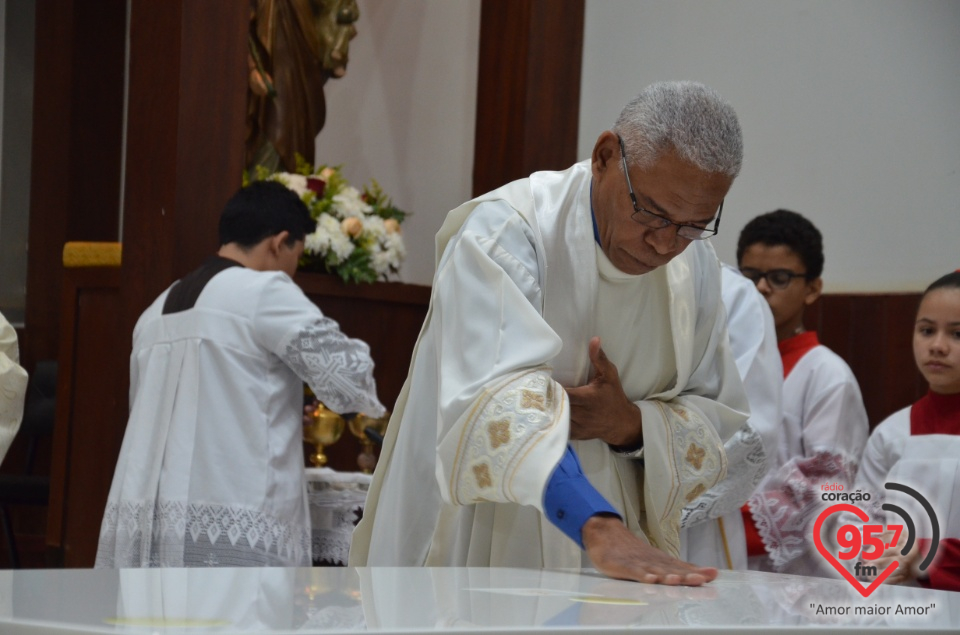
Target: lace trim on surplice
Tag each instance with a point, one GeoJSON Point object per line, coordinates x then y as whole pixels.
{"type": "Point", "coordinates": [339, 370]}
{"type": "Point", "coordinates": [785, 510]}
{"type": "Point", "coordinates": [746, 466]}
{"type": "Point", "coordinates": [180, 534]}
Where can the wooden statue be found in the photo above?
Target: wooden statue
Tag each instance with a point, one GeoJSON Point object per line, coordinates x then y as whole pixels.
{"type": "Point", "coordinates": [295, 46]}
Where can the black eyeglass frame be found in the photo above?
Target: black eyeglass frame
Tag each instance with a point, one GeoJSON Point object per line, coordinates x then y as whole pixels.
{"type": "Point", "coordinates": [755, 276]}
{"type": "Point", "coordinates": [656, 221]}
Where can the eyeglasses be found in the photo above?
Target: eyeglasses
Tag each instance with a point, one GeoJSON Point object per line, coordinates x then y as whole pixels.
{"type": "Point", "coordinates": [776, 278]}
{"type": "Point", "coordinates": [656, 221]}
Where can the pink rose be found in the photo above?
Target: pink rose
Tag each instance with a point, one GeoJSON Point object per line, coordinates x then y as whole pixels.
{"type": "Point", "coordinates": [391, 225]}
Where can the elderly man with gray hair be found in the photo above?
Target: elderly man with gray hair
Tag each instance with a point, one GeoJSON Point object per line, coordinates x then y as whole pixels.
{"type": "Point", "coordinates": [574, 364]}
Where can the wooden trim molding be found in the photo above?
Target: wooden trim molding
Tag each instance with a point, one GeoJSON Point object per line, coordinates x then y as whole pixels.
{"type": "Point", "coordinates": [528, 89]}
{"type": "Point", "coordinates": [90, 413]}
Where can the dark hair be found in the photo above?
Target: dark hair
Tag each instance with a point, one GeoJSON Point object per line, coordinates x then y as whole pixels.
{"type": "Point", "coordinates": [783, 227]}
{"type": "Point", "coordinates": [261, 210]}
{"type": "Point", "coordinates": [949, 281]}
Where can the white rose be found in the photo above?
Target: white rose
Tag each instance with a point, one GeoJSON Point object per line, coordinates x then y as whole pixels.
{"type": "Point", "coordinates": [348, 203]}
{"type": "Point", "coordinates": [374, 226]}
{"type": "Point", "coordinates": [296, 182]}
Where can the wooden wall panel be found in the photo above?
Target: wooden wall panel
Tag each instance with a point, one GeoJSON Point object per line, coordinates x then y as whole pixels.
{"type": "Point", "coordinates": [76, 149]}
{"type": "Point", "coordinates": [185, 138]}
{"type": "Point", "coordinates": [528, 89]}
{"type": "Point", "coordinates": [90, 415]}
{"type": "Point", "coordinates": [873, 334]}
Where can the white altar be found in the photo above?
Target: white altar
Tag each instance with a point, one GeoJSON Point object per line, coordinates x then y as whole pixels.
{"type": "Point", "coordinates": [335, 600]}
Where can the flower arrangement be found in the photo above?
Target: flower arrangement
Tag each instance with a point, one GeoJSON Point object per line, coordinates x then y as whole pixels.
{"type": "Point", "coordinates": [358, 233]}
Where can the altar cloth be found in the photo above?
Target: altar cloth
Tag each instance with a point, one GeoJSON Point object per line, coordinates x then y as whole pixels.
{"type": "Point", "coordinates": [336, 501]}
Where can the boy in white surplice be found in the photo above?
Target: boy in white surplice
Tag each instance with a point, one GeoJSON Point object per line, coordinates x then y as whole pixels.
{"type": "Point", "coordinates": [211, 468]}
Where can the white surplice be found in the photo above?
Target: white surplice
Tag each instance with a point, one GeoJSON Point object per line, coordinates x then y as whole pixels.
{"type": "Point", "coordinates": [13, 386]}
{"type": "Point", "coordinates": [713, 533]}
{"type": "Point", "coordinates": [824, 432]}
{"type": "Point", "coordinates": [483, 418]}
{"type": "Point", "coordinates": [211, 469]}
{"type": "Point", "coordinates": [928, 463]}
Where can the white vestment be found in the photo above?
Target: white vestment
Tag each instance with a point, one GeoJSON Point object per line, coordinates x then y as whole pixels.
{"type": "Point", "coordinates": [13, 386]}
{"type": "Point", "coordinates": [483, 418]}
{"type": "Point", "coordinates": [211, 469]}
{"type": "Point", "coordinates": [824, 432]}
{"type": "Point", "coordinates": [713, 533]}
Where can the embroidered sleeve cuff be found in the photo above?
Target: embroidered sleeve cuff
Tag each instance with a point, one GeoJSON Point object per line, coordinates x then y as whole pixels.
{"type": "Point", "coordinates": [569, 499]}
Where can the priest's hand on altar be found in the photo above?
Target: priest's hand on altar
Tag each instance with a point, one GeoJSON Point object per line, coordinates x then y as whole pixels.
{"type": "Point", "coordinates": [600, 409]}
{"type": "Point", "coordinates": [617, 553]}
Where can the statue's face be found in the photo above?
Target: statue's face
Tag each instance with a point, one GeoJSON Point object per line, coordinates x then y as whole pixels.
{"type": "Point", "coordinates": [335, 26]}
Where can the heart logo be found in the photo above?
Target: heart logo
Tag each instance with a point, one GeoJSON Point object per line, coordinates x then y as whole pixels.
{"type": "Point", "coordinates": [862, 515]}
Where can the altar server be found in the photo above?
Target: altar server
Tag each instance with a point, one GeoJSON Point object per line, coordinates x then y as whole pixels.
{"type": "Point", "coordinates": [824, 420]}
{"type": "Point", "coordinates": [577, 305]}
{"type": "Point", "coordinates": [211, 470]}
{"type": "Point", "coordinates": [919, 446]}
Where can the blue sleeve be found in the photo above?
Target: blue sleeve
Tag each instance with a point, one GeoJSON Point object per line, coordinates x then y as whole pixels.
{"type": "Point", "coordinates": [569, 499]}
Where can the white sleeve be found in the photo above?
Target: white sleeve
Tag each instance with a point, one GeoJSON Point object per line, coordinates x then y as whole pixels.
{"type": "Point", "coordinates": [753, 340]}
{"type": "Point", "coordinates": [836, 419]}
{"type": "Point", "coordinates": [690, 431]}
{"type": "Point", "coordinates": [337, 368]}
{"type": "Point", "coordinates": [753, 343]}
{"type": "Point", "coordinates": [714, 389]}
{"type": "Point", "coordinates": [879, 456]}
{"type": "Point", "coordinates": [503, 422]}
{"type": "Point", "coordinates": [13, 386]}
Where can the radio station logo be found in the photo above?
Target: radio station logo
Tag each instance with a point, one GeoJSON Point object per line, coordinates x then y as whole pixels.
{"type": "Point", "coordinates": [866, 540]}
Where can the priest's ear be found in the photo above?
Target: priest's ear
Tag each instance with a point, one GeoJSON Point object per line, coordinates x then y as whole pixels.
{"type": "Point", "coordinates": [606, 153]}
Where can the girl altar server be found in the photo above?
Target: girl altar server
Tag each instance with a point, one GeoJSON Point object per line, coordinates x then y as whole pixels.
{"type": "Point", "coordinates": [919, 446]}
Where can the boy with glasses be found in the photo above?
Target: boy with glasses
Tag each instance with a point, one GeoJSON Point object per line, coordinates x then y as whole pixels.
{"type": "Point", "coordinates": [824, 421]}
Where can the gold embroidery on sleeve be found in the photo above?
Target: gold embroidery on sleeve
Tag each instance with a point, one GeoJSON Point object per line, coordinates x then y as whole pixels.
{"type": "Point", "coordinates": [482, 474]}
{"type": "Point", "coordinates": [696, 491]}
{"type": "Point", "coordinates": [695, 455]}
{"type": "Point", "coordinates": [533, 400]}
{"type": "Point", "coordinates": [499, 433]}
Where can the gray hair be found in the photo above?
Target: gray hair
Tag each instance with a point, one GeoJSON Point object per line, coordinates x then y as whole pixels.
{"type": "Point", "coordinates": [687, 117]}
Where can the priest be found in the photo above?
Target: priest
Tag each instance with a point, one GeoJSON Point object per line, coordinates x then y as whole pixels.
{"type": "Point", "coordinates": [572, 387]}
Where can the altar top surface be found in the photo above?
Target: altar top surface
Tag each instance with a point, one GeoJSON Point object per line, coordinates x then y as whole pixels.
{"type": "Point", "coordinates": [421, 600]}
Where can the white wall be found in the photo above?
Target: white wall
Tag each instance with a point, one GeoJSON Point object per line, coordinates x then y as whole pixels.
{"type": "Point", "coordinates": [850, 112]}
{"type": "Point", "coordinates": [404, 113]}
